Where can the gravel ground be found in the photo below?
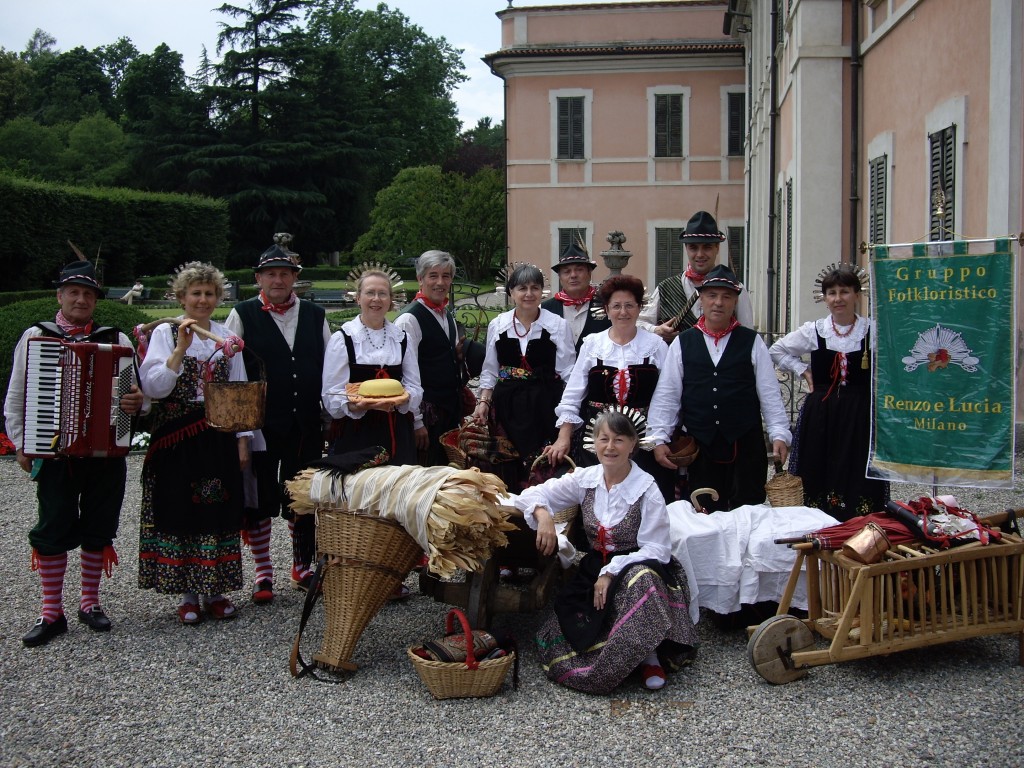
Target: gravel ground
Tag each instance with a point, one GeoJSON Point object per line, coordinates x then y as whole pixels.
{"type": "Point", "coordinates": [155, 693]}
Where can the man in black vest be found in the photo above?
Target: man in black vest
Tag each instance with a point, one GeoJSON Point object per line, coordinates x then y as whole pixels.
{"type": "Point", "coordinates": [575, 300]}
{"type": "Point", "coordinates": [430, 326]}
{"type": "Point", "coordinates": [673, 306]}
{"type": "Point", "coordinates": [288, 336]}
{"type": "Point", "coordinates": [79, 498]}
{"type": "Point", "coordinates": [718, 382]}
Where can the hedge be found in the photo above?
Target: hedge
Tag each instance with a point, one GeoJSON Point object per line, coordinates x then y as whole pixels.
{"type": "Point", "coordinates": [15, 318]}
{"type": "Point", "coordinates": [132, 233]}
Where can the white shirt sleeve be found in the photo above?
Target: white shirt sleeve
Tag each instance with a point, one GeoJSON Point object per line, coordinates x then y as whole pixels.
{"type": "Point", "coordinates": [568, 409]}
{"type": "Point", "coordinates": [489, 372]}
{"type": "Point", "coordinates": [14, 405]}
{"type": "Point", "coordinates": [554, 495]}
{"type": "Point", "coordinates": [787, 351]}
{"type": "Point", "coordinates": [773, 412]}
{"type": "Point", "coordinates": [648, 318]}
{"type": "Point", "coordinates": [663, 414]}
{"type": "Point", "coordinates": [155, 378]}
{"type": "Point", "coordinates": [234, 324]}
{"type": "Point", "coordinates": [336, 376]}
{"type": "Point", "coordinates": [411, 382]}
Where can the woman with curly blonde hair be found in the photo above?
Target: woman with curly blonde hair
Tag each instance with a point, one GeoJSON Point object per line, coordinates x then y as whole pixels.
{"type": "Point", "coordinates": [192, 477]}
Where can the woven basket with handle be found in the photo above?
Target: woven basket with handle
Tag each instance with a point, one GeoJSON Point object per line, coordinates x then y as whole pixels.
{"type": "Point", "coordinates": [463, 679]}
{"type": "Point", "coordinates": [784, 489]}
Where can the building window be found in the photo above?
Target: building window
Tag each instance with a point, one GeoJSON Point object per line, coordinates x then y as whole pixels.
{"type": "Point", "coordinates": [734, 239]}
{"type": "Point", "coordinates": [568, 235]}
{"type": "Point", "coordinates": [876, 199]}
{"type": "Point", "coordinates": [942, 178]}
{"type": "Point", "coordinates": [669, 254]}
{"type": "Point", "coordinates": [737, 123]}
{"type": "Point", "coordinates": [668, 125]}
{"type": "Point", "coordinates": [570, 128]}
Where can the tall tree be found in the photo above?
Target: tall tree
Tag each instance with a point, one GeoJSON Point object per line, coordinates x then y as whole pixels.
{"type": "Point", "coordinates": [426, 208]}
{"type": "Point", "coordinates": [70, 86]}
{"type": "Point", "coordinates": [16, 86]}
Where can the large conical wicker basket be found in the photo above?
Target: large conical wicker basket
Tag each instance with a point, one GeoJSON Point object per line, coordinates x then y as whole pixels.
{"type": "Point", "coordinates": [367, 558]}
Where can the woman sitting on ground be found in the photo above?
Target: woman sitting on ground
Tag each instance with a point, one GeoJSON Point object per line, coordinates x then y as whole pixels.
{"type": "Point", "coordinates": [627, 606]}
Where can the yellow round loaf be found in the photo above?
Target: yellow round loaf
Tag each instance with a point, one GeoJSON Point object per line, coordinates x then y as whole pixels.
{"type": "Point", "coordinates": [381, 388]}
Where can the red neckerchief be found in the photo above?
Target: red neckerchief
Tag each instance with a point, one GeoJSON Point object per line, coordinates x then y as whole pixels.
{"type": "Point", "coordinates": [430, 304]}
{"type": "Point", "coordinates": [569, 301]}
{"type": "Point", "coordinates": [717, 335]}
{"type": "Point", "coordinates": [281, 308]}
{"type": "Point", "coordinates": [69, 328]}
{"type": "Point", "coordinates": [695, 277]}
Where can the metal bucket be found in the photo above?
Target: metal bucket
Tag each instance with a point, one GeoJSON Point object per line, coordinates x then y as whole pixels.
{"type": "Point", "coordinates": [868, 545]}
{"type": "Point", "coordinates": [236, 406]}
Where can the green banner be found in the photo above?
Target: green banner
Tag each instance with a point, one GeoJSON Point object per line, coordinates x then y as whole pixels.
{"type": "Point", "coordinates": [942, 401]}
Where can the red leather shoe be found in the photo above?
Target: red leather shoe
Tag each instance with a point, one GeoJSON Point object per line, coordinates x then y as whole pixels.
{"type": "Point", "coordinates": [264, 592]}
{"type": "Point", "coordinates": [188, 613]}
{"type": "Point", "coordinates": [221, 609]}
{"type": "Point", "coordinates": [653, 675]}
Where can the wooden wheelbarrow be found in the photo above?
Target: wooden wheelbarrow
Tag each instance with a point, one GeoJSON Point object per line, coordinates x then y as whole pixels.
{"type": "Point", "coordinates": [916, 597]}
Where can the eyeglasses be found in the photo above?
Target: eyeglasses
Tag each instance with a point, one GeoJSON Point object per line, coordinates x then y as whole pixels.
{"type": "Point", "coordinates": [621, 307]}
{"type": "Point", "coordinates": [376, 294]}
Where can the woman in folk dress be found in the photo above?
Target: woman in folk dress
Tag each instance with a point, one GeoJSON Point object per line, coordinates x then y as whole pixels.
{"type": "Point", "coordinates": [627, 607]}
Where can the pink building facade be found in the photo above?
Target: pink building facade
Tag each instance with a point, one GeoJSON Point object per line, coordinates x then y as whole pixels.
{"type": "Point", "coordinates": [618, 118]}
{"type": "Point", "coordinates": [859, 111]}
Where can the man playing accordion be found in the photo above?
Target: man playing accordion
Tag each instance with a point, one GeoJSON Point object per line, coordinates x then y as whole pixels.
{"type": "Point", "coordinates": [79, 497]}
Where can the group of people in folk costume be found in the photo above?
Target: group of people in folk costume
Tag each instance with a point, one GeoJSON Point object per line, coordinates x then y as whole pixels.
{"type": "Point", "coordinates": [587, 375]}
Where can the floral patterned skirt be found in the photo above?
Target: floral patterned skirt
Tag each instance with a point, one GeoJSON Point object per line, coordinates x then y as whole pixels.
{"type": "Point", "coordinates": [191, 515]}
{"type": "Point", "coordinates": [646, 615]}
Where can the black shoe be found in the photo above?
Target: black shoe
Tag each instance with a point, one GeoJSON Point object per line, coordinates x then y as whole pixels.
{"type": "Point", "coordinates": [95, 619]}
{"type": "Point", "coordinates": [44, 631]}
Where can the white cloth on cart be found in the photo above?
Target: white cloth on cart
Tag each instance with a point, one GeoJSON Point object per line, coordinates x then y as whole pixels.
{"type": "Point", "coordinates": [733, 558]}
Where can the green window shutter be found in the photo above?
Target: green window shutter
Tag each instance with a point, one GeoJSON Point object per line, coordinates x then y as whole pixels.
{"type": "Point", "coordinates": [737, 109]}
{"type": "Point", "coordinates": [668, 125]}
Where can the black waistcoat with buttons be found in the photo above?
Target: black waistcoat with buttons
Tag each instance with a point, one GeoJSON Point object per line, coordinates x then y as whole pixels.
{"type": "Point", "coordinates": [719, 399]}
{"type": "Point", "coordinates": [440, 374]}
{"type": "Point", "coordinates": [293, 375]}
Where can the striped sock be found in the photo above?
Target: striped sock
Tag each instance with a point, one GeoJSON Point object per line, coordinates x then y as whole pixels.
{"type": "Point", "coordinates": [92, 569]}
{"type": "Point", "coordinates": [51, 575]}
{"type": "Point", "coordinates": [259, 545]}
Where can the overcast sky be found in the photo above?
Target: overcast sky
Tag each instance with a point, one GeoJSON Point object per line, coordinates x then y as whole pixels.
{"type": "Point", "coordinates": [187, 25]}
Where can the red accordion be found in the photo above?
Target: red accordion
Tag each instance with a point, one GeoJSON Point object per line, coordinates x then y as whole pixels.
{"type": "Point", "coordinates": [73, 396]}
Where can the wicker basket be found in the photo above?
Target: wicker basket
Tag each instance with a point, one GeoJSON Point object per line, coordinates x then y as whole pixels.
{"type": "Point", "coordinates": [452, 449]}
{"type": "Point", "coordinates": [462, 680]}
{"type": "Point", "coordinates": [367, 558]}
{"type": "Point", "coordinates": [784, 489]}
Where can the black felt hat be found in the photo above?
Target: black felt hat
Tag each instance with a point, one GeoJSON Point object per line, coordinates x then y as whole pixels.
{"type": "Point", "coordinates": [574, 254]}
{"type": "Point", "coordinates": [720, 277]}
{"type": "Point", "coordinates": [702, 228]}
{"type": "Point", "coordinates": [79, 273]}
{"type": "Point", "coordinates": [279, 255]}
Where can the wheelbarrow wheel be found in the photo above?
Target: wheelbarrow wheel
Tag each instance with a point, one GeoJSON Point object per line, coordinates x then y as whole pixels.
{"type": "Point", "coordinates": [772, 645]}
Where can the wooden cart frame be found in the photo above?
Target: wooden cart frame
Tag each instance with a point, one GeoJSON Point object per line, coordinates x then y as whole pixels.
{"type": "Point", "coordinates": [915, 598]}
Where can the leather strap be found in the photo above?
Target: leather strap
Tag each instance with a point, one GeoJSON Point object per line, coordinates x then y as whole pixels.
{"type": "Point", "coordinates": [296, 662]}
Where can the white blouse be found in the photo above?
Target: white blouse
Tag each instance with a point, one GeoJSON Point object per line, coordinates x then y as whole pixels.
{"type": "Point", "coordinates": [565, 347]}
{"type": "Point", "coordinates": [157, 380]}
{"type": "Point", "coordinates": [599, 346]}
{"type": "Point", "coordinates": [654, 538]}
{"type": "Point", "coordinates": [372, 347]}
{"type": "Point", "coordinates": [787, 351]}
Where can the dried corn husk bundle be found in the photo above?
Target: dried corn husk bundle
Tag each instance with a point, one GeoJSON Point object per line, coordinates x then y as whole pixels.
{"type": "Point", "coordinates": [453, 514]}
